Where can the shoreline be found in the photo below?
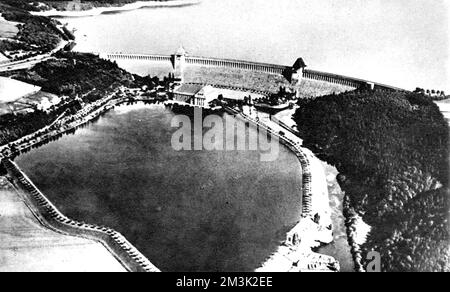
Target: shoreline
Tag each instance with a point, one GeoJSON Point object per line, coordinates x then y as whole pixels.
{"type": "Point", "coordinates": [357, 233]}
{"type": "Point", "coordinates": [297, 253]}
{"type": "Point", "coordinates": [51, 218]}
{"type": "Point", "coordinates": [127, 7]}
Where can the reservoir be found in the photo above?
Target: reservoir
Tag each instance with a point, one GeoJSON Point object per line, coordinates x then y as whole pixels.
{"type": "Point", "coordinates": [399, 43]}
{"type": "Point", "coordinates": [184, 210]}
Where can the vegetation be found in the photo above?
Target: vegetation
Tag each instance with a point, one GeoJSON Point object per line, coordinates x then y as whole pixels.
{"type": "Point", "coordinates": [391, 149]}
{"type": "Point", "coordinates": [36, 33]}
{"type": "Point", "coordinates": [417, 238]}
{"type": "Point", "coordinates": [74, 74]}
{"type": "Point", "coordinates": [12, 127]}
{"type": "Point", "coordinates": [70, 74]}
{"type": "Point", "coordinates": [89, 4]}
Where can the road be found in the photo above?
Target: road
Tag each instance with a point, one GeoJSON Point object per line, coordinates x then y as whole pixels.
{"type": "Point", "coordinates": [30, 62]}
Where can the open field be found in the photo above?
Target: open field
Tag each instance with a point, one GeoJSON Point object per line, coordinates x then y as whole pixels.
{"type": "Point", "coordinates": [12, 90]}
{"type": "Point", "coordinates": [7, 29]}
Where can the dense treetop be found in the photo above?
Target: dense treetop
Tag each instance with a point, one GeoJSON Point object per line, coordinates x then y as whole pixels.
{"type": "Point", "coordinates": [391, 149]}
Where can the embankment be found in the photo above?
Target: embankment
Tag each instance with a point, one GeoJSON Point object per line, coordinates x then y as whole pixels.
{"type": "Point", "coordinates": [314, 227]}
{"type": "Point", "coordinates": [51, 218]}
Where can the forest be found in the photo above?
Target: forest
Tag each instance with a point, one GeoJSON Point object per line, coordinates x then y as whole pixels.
{"type": "Point", "coordinates": [391, 150]}
{"type": "Point", "coordinates": [36, 33]}
{"type": "Point", "coordinates": [69, 75]}
{"type": "Point", "coordinates": [72, 74]}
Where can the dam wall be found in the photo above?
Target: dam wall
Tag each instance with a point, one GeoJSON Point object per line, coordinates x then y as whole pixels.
{"type": "Point", "coordinates": [263, 82]}
{"type": "Point", "coordinates": [236, 64]}
{"type": "Point", "coordinates": [157, 58]}
{"type": "Point", "coordinates": [203, 61]}
{"type": "Point", "coordinates": [261, 77]}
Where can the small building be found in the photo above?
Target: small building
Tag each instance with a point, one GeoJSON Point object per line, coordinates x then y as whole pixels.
{"type": "Point", "coordinates": [203, 95]}
{"type": "Point", "coordinates": [186, 92]}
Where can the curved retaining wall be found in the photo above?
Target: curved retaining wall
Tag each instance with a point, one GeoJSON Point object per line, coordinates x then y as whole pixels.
{"type": "Point", "coordinates": [116, 243]}
{"type": "Point", "coordinates": [307, 208]}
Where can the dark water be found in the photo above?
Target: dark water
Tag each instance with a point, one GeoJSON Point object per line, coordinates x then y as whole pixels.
{"type": "Point", "coordinates": [186, 211]}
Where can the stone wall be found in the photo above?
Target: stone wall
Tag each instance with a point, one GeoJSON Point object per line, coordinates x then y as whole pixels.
{"type": "Point", "coordinates": [261, 77]}
{"type": "Point", "coordinates": [51, 218]}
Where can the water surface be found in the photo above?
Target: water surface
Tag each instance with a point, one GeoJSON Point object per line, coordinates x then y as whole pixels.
{"type": "Point", "coordinates": [187, 210]}
{"type": "Point", "coordinates": [397, 42]}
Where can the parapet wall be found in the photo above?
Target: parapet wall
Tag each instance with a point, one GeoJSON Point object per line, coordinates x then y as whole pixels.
{"type": "Point", "coordinates": [332, 78]}
{"type": "Point", "coordinates": [259, 76]}
{"type": "Point", "coordinates": [49, 215]}
{"type": "Point", "coordinates": [203, 61]}
{"type": "Point", "coordinates": [158, 58]}
{"type": "Point", "coordinates": [236, 64]}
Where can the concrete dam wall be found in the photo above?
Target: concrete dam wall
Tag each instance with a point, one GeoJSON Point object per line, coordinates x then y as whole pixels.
{"type": "Point", "coordinates": [262, 77]}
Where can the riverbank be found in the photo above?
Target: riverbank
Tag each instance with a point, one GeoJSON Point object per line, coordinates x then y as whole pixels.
{"type": "Point", "coordinates": [63, 124]}
{"type": "Point", "coordinates": [393, 174]}
{"type": "Point", "coordinates": [49, 216]}
{"type": "Point", "coordinates": [357, 233]}
{"type": "Point", "coordinates": [314, 228]}
{"type": "Point", "coordinates": [126, 7]}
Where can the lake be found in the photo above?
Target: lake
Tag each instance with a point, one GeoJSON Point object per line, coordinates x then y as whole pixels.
{"type": "Point", "coordinates": [184, 210]}
{"type": "Point", "coordinates": [400, 43]}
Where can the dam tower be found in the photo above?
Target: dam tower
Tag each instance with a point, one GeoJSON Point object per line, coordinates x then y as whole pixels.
{"type": "Point", "coordinates": [179, 62]}
{"type": "Point", "coordinates": [297, 70]}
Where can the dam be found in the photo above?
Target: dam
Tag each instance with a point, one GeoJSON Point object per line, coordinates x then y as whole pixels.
{"type": "Point", "coordinates": [242, 75]}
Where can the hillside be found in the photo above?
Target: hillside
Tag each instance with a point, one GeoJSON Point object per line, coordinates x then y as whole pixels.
{"type": "Point", "coordinates": [69, 75]}
{"type": "Point", "coordinates": [391, 149]}
{"type": "Point", "coordinates": [36, 34]}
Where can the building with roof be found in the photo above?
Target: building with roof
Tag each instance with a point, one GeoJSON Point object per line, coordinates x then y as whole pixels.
{"type": "Point", "coordinates": [201, 95]}
{"type": "Point", "coordinates": [186, 92]}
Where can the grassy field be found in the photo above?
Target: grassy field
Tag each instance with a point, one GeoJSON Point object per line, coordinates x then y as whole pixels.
{"type": "Point", "coordinates": [7, 29]}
